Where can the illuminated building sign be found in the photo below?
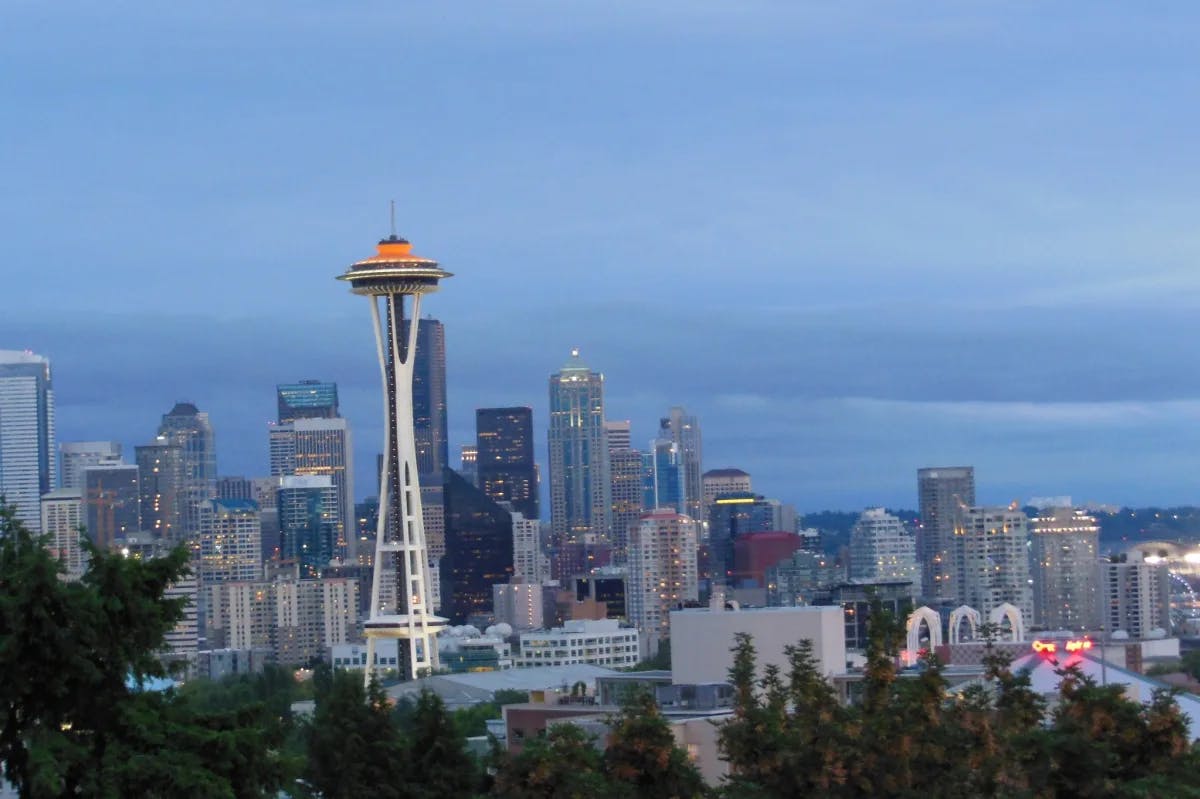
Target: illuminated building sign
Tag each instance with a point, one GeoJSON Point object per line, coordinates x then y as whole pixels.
{"type": "Point", "coordinates": [1070, 646]}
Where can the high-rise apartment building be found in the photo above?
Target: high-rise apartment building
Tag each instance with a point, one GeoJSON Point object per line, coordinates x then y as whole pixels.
{"type": "Point", "coordinates": [519, 604]}
{"type": "Point", "coordinates": [188, 428]}
{"type": "Point", "coordinates": [1135, 597]}
{"type": "Point", "coordinates": [112, 502]}
{"type": "Point", "coordinates": [75, 456]}
{"type": "Point", "coordinates": [27, 443]}
{"type": "Point", "coordinates": [479, 549]}
{"type": "Point", "coordinates": [505, 466]}
{"type": "Point", "coordinates": [62, 516]}
{"type": "Point", "coordinates": [308, 507]}
{"type": "Point", "coordinates": [160, 477]}
{"type": "Point", "coordinates": [941, 493]}
{"type": "Point", "coordinates": [990, 556]}
{"type": "Point", "coordinates": [1064, 556]}
{"type": "Point", "coordinates": [662, 572]}
{"type": "Point", "coordinates": [626, 490]}
{"type": "Point", "coordinates": [529, 559]}
{"type": "Point", "coordinates": [881, 550]}
{"type": "Point", "coordinates": [307, 399]}
{"type": "Point", "coordinates": [235, 488]}
{"type": "Point", "coordinates": [683, 430]}
{"type": "Point", "coordinates": [297, 620]}
{"type": "Point", "coordinates": [230, 542]}
{"type": "Point", "coordinates": [580, 505]}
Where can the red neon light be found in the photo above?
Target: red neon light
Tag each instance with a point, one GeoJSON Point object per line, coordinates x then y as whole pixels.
{"type": "Point", "coordinates": [1072, 645]}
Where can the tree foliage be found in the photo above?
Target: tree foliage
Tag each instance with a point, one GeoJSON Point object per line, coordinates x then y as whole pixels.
{"type": "Point", "coordinates": [911, 737]}
{"type": "Point", "coordinates": [73, 659]}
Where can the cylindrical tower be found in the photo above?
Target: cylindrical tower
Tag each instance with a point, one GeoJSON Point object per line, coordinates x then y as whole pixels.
{"type": "Point", "coordinates": [400, 608]}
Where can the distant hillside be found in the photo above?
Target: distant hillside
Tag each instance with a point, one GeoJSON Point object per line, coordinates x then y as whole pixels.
{"type": "Point", "coordinates": [1131, 525]}
{"type": "Point", "coordinates": [1118, 529]}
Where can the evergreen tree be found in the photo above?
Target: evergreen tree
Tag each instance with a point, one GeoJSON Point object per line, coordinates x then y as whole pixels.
{"type": "Point", "coordinates": [437, 764]}
{"type": "Point", "coordinates": [641, 758]}
{"type": "Point", "coordinates": [565, 764]}
{"type": "Point", "coordinates": [354, 749]}
{"type": "Point", "coordinates": [73, 655]}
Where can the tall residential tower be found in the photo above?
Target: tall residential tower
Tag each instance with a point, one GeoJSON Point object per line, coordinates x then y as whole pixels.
{"type": "Point", "coordinates": [941, 494]}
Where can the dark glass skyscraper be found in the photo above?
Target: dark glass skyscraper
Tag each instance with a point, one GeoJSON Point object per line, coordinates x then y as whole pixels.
{"type": "Point", "coordinates": [504, 464]}
{"type": "Point", "coordinates": [112, 502]}
{"type": "Point", "coordinates": [429, 398]}
{"type": "Point", "coordinates": [308, 518]}
{"type": "Point", "coordinates": [479, 549]}
{"type": "Point", "coordinates": [160, 474]}
{"type": "Point", "coordinates": [308, 399]}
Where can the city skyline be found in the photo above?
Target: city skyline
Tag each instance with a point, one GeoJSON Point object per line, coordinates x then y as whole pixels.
{"type": "Point", "coordinates": [888, 178]}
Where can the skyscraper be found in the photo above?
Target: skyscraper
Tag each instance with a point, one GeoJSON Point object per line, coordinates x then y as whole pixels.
{"type": "Point", "coordinates": [664, 476]}
{"type": "Point", "coordinates": [321, 446]}
{"type": "Point", "coordinates": [1135, 597]}
{"type": "Point", "coordinates": [27, 445]}
{"type": "Point", "coordinates": [990, 553]}
{"type": "Point", "coordinates": [188, 428]}
{"type": "Point", "coordinates": [400, 598]}
{"type": "Point", "coordinates": [160, 478]}
{"type": "Point", "coordinates": [618, 434]}
{"type": "Point", "coordinates": [627, 492]}
{"type": "Point", "coordinates": [307, 399]}
{"type": "Point", "coordinates": [881, 550]}
{"type": "Point", "coordinates": [62, 516]}
{"type": "Point", "coordinates": [1064, 554]}
{"type": "Point", "coordinates": [662, 572]}
{"type": "Point", "coordinates": [429, 397]}
{"type": "Point", "coordinates": [479, 549]}
{"type": "Point", "coordinates": [505, 467]}
{"type": "Point", "coordinates": [683, 430]}
{"type": "Point", "coordinates": [717, 482]}
{"type": "Point", "coordinates": [580, 506]}
{"type": "Point", "coordinates": [75, 456]}
{"type": "Point", "coordinates": [230, 541]}
{"type": "Point", "coordinates": [112, 502]}
{"type": "Point", "coordinates": [308, 509]}
{"type": "Point", "coordinates": [941, 493]}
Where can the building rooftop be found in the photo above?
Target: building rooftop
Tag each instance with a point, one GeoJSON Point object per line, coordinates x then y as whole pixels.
{"type": "Point", "coordinates": [476, 687]}
{"type": "Point", "coordinates": [726, 473]}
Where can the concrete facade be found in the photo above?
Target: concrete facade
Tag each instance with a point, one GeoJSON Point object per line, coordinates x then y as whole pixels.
{"type": "Point", "coordinates": [702, 639]}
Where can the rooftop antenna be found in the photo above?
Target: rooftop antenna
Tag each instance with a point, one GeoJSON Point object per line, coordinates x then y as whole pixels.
{"type": "Point", "coordinates": [393, 214]}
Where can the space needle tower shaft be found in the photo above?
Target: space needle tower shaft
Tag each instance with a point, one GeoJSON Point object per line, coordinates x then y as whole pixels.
{"type": "Point", "coordinates": [395, 280]}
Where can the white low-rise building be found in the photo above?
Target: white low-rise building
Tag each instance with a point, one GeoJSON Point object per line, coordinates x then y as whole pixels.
{"type": "Point", "coordinates": [702, 639]}
{"type": "Point", "coordinates": [602, 643]}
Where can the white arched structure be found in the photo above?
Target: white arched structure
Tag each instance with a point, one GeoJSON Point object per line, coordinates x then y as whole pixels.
{"type": "Point", "coordinates": [957, 617]}
{"type": "Point", "coordinates": [1015, 624]}
{"type": "Point", "coordinates": [933, 621]}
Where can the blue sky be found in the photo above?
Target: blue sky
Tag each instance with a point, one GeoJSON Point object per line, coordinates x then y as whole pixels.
{"type": "Point", "coordinates": [855, 239]}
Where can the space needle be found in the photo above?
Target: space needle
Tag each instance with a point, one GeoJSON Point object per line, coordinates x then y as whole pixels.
{"type": "Point", "coordinates": [400, 608]}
